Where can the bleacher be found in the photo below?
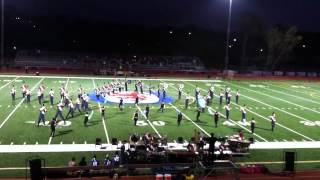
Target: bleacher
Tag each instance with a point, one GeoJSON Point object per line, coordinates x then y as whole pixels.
{"type": "Point", "coordinates": [105, 62]}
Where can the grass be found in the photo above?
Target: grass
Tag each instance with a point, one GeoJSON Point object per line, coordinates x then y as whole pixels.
{"type": "Point", "coordinates": [296, 104]}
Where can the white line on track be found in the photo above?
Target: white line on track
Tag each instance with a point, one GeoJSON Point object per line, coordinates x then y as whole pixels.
{"type": "Point", "coordinates": [265, 117]}
{"type": "Point", "coordinates": [104, 124]}
{"type": "Point", "coordinates": [18, 105]}
{"type": "Point", "coordinates": [283, 100]}
{"type": "Point", "coordinates": [148, 121]}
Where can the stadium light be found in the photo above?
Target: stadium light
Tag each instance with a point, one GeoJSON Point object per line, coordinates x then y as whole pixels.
{"type": "Point", "coordinates": [226, 60]}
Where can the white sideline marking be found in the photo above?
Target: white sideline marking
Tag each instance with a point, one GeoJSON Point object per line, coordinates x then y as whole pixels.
{"type": "Point", "coordinates": [305, 99]}
{"type": "Point", "coordinates": [111, 78]}
{"type": "Point", "coordinates": [268, 118]}
{"type": "Point", "coordinates": [148, 121]}
{"type": "Point", "coordinates": [104, 124]}
{"type": "Point", "coordinates": [274, 97]}
{"type": "Point", "coordinates": [19, 104]}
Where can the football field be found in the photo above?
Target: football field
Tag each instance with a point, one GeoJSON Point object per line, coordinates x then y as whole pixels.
{"type": "Point", "coordinates": [296, 104]}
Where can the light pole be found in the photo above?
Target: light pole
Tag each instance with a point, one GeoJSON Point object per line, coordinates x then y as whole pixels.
{"type": "Point", "coordinates": [226, 60]}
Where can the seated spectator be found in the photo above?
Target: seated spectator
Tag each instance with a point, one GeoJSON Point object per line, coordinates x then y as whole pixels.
{"type": "Point", "coordinates": [241, 135]}
{"type": "Point", "coordinates": [190, 147]}
{"type": "Point", "coordinates": [116, 159]}
{"type": "Point", "coordinates": [94, 161]}
{"type": "Point", "coordinates": [107, 161]}
{"type": "Point", "coordinates": [189, 176]}
{"type": "Point", "coordinates": [83, 162]}
{"type": "Point", "coordinates": [72, 162]}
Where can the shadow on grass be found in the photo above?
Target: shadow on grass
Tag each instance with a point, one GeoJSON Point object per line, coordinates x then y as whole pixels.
{"type": "Point", "coordinates": [267, 129]}
{"type": "Point", "coordinates": [93, 123]}
{"type": "Point", "coordinates": [63, 132]}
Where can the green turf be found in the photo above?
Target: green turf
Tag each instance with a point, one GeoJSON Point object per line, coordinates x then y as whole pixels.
{"type": "Point", "coordinates": [293, 102]}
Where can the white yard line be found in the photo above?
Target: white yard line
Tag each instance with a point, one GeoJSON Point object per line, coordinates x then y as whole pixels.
{"type": "Point", "coordinates": [19, 104]}
{"type": "Point", "coordinates": [280, 109]}
{"type": "Point", "coordinates": [9, 83]}
{"type": "Point", "coordinates": [240, 126]}
{"type": "Point", "coordinates": [302, 98]}
{"type": "Point", "coordinates": [223, 116]}
{"type": "Point", "coordinates": [65, 87]}
{"type": "Point", "coordinates": [104, 124]}
{"type": "Point", "coordinates": [155, 130]}
{"type": "Point", "coordinates": [204, 131]}
{"type": "Point", "coordinates": [283, 100]}
{"type": "Point", "coordinates": [50, 139]}
{"type": "Point", "coordinates": [279, 124]}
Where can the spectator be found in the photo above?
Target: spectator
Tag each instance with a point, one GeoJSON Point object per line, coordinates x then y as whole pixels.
{"type": "Point", "coordinates": [189, 176]}
{"type": "Point", "coordinates": [83, 162]}
{"type": "Point", "coordinates": [72, 162]}
{"type": "Point", "coordinates": [107, 161]}
{"type": "Point", "coordinates": [116, 159]}
{"type": "Point", "coordinates": [94, 161]}
{"type": "Point", "coordinates": [241, 135]}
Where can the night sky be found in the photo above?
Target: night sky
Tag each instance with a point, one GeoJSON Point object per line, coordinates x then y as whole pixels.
{"type": "Point", "coordinates": [208, 14]}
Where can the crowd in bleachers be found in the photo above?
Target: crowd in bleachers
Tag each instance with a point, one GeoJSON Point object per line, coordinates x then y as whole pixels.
{"type": "Point", "coordinates": [106, 62]}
